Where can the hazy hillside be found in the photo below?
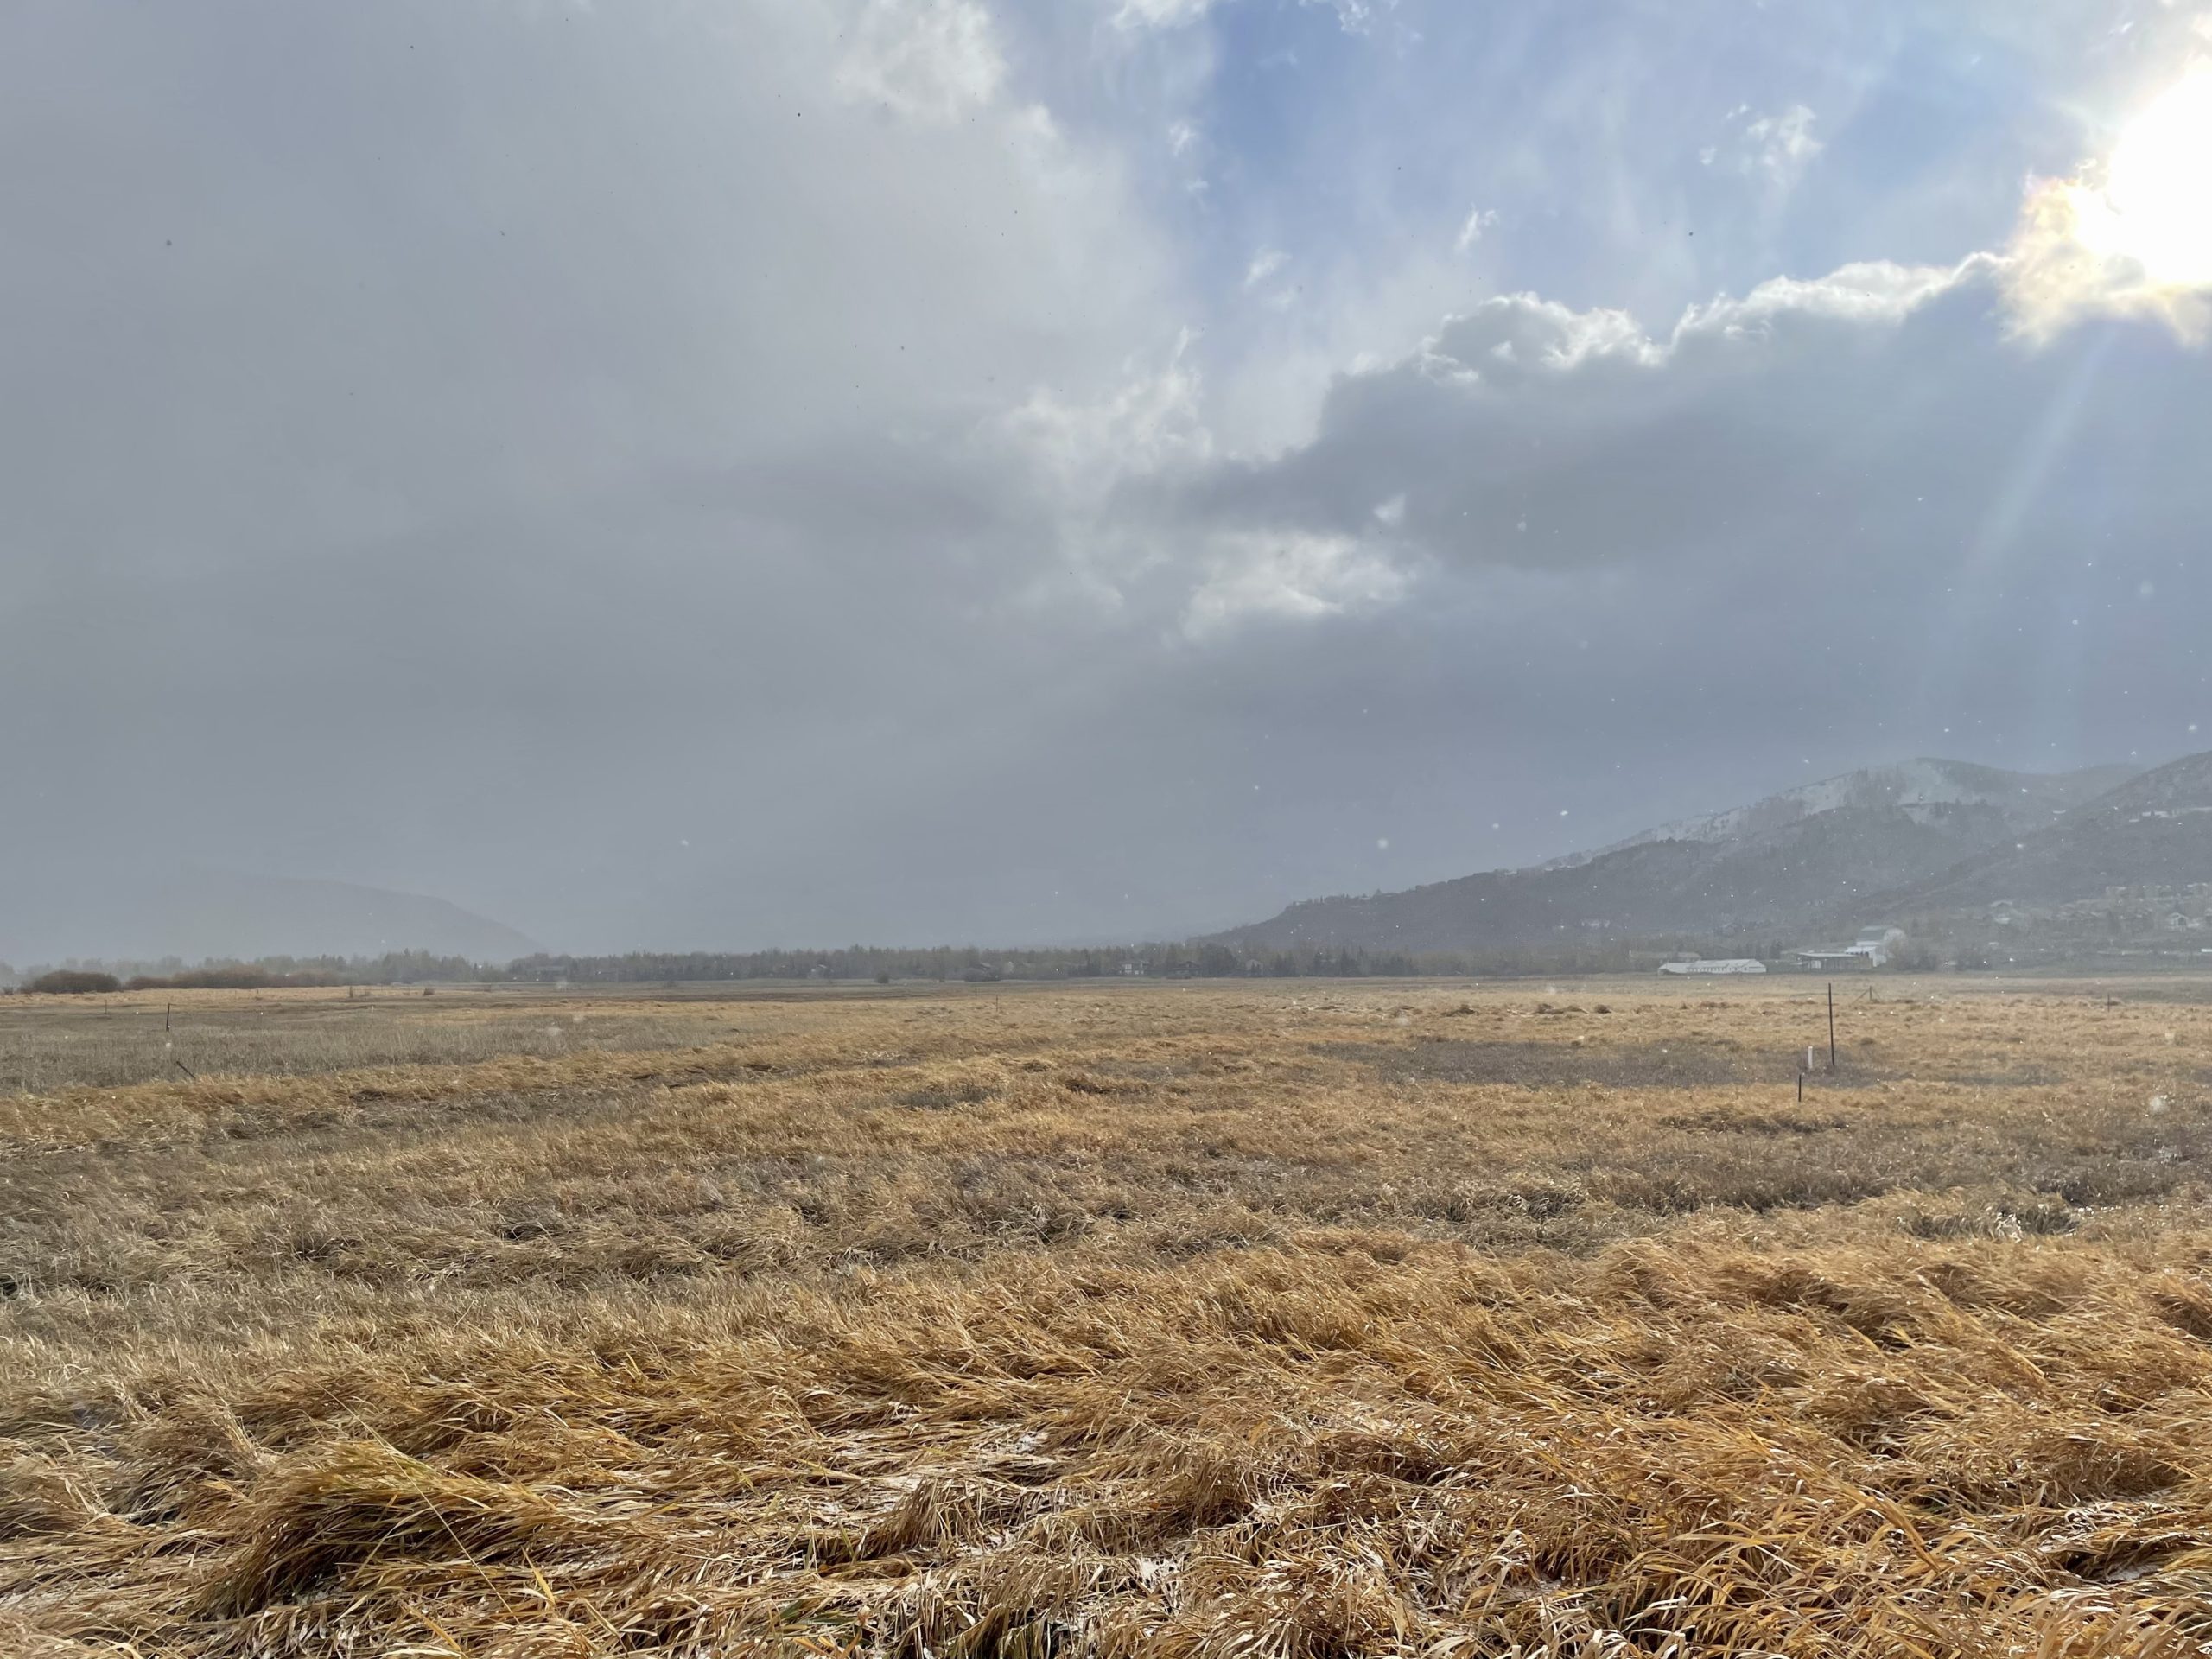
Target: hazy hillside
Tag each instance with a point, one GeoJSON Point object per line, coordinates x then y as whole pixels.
{"type": "Point", "coordinates": [2155, 829]}
{"type": "Point", "coordinates": [196, 914]}
{"type": "Point", "coordinates": [1923, 789]}
{"type": "Point", "coordinates": [1795, 860]}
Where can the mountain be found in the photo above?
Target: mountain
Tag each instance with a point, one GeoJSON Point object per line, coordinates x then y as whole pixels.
{"type": "Point", "coordinates": [1808, 856]}
{"type": "Point", "coordinates": [1925, 791]}
{"type": "Point", "coordinates": [200, 913]}
{"type": "Point", "coordinates": [2155, 829]}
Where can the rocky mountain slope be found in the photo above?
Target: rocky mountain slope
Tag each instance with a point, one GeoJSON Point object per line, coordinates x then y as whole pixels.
{"type": "Point", "coordinates": [1808, 856]}
{"type": "Point", "coordinates": [2153, 830]}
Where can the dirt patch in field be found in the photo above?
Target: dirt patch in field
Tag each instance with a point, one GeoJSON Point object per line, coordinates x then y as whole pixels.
{"type": "Point", "coordinates": [1648, 1066]}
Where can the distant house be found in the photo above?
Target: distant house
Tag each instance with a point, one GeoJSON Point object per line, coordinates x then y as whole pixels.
{"type": "Point", "coordinates": [1832, 956]}
{"type": "Point", "coordinates": [1870, 949]}
{"type": "Point", "coordinates": [1714, 965]}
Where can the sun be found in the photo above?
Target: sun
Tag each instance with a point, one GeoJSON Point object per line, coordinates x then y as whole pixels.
{"type": "Point", "coordinates": [2154, 205]}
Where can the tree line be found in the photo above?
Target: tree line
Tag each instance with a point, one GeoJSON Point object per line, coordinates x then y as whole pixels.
{"type": "Point", "coordinates": [1200, 959]}
{"type": "Point", "coordinates": [263, 973]}
{"type": "Point", "coordinates": [1204, 959]}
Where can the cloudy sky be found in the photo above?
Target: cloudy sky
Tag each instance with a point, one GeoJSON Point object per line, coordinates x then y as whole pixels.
{"type": "Point", "coordinates": [723, 472]}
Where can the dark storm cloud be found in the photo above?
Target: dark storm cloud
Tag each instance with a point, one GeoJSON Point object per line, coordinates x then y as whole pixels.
{"type": "Point", "coordinates": [478, 448]}
{"type": "Point", "coordinates": [1897, 407]}
{"type": "Point", "coordinates": [1832, 519]}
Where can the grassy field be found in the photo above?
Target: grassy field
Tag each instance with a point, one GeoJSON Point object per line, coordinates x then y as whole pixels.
{"type": "Point", "coordinates": [1304, 1320]}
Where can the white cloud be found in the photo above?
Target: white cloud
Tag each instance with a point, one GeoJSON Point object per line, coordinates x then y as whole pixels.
{"type": "Point", "coordinates": [1513, 336]}
{"type": "Point", "coordinates": [1150, 421]}
{"type": "Point", "coordinates": [1782, 145]}
{"type": "Point", "coordinates": [2055, 278]}
{"type": "Point", "coordinates": [1288, 575]}
{"type": "Point", "coordinates": [2129, 234]}
{"type": "Point", "coordinates": [1160, 13]}
{"type": "Point", "coordinates": [1884, 420]}
{"type": "Point", "coordinates": [1479, 221]}
{"type": "Point", "coordinates": [931, 60]}
{"type": "Point", "coordinates": [1776, 149]}
{"type": "Point", "coordinates": [1871, 292]}
{"type": "Point", "coordinates": [1354, 16]}
{"type": "Point", "coordinates": [1513, 339]}
{"type": "Point", "coordinates": [1261, 280]}
{"type": "Point", "coordinates": [1076, 456]}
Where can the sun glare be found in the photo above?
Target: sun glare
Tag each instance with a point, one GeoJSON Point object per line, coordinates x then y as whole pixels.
{"type": "Point", "coordinates": [2155, 208]}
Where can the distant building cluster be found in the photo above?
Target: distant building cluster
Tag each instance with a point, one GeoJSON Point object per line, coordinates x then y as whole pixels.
{"type": "Point", "coordinates": [2141, 908]}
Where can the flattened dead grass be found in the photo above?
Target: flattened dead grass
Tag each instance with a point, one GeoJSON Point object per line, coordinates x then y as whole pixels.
{"type": "Point", "coordinates": [1164, 1322]}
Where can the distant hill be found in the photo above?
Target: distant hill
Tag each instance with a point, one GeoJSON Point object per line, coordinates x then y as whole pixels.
{"type": "Point", "coordinates": [199, 913]}
{"type": "Point", "coordinates": [2154, 829]}
{"type": "Point", "coordinates": [1925, 791]}
{"type": "Point", "coordinates": [1791, 861]}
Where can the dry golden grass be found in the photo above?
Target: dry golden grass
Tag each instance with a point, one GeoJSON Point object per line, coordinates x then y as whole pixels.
{"type": "Point", "coordinates": [1300, 1320]}
{"type": "Point", "coordinates": [48, 1043]}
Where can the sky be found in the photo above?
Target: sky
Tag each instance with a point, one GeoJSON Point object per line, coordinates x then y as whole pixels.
{"type": "Point", "coordinates": [713, 474]}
